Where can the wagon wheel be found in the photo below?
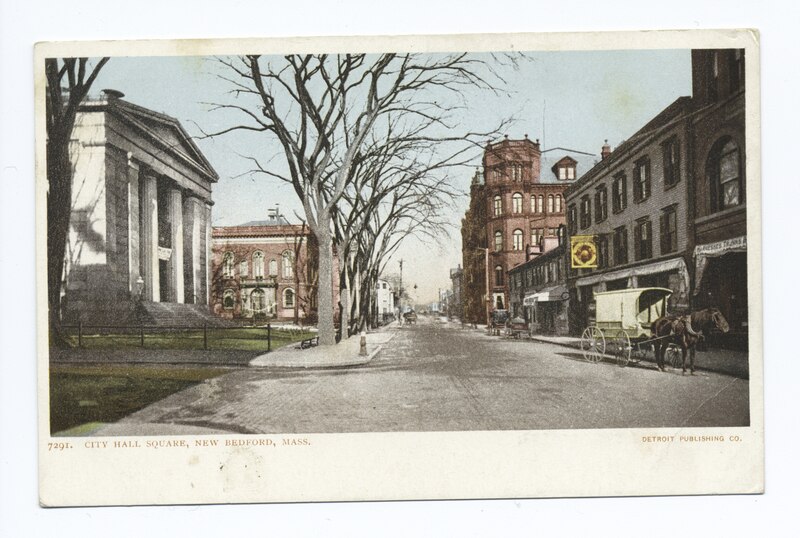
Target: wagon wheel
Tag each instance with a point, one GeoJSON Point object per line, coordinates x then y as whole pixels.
{"type": "Point", "coordinates": [622, 348]}
{"type": "Point", "coordinates": [593, 344]}
{"type": "Point", "coordinates": [674, 357]}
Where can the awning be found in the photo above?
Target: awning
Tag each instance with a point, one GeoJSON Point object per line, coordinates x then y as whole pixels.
{"type": "Point", "coordinates": [529, 300]}
{"type": "Point", "coordinates": [713, 250]}
{"type": "Point", "coordinates": [675, 264]}
{"type": "Point", "coordinates": [554, 293]}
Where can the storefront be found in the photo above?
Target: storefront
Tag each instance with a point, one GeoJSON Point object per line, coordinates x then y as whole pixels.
{"type": "Point", "coordinates": [546, 310]}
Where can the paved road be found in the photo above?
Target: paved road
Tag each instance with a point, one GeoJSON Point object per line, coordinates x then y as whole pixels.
{"type": "Point", "coordinates": [436, 376]}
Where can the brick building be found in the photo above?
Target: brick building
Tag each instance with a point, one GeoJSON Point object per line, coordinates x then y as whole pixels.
{"type": "Point", "coordinates": [139, 231]}
{"type": "Point", "coordinates": [635, 203]}
{"type": "Point", "coordinates": [265, 270]}
{"type": "Point", "coordinates": [513, 207]}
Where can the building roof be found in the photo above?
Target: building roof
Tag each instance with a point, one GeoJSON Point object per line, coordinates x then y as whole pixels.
{"type": "Point", "coordinates": [272, 220]}
{"type": "Point", "coordinates": [584, 162]}
{"type": "Point", "coordinates": [553, 253]}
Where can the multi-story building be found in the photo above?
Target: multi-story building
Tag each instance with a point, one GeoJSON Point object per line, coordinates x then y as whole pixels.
{"type": "Point", "coordinates": [516, 206]}
{"type": "Point", "coordinates": [265, 270]}
{"type": "Point", "coordinates": [719, 202]}
{"type": "Point", "coordinates": [668, 207]}
{"type": "Point", "coordinates": [538, 288]}
{"type": "Point", "coordinates": [140, 225]}
{"type": "Point", "coordinates": [384, 302]}
{"type": "Point", "coordinates": [635, 204]}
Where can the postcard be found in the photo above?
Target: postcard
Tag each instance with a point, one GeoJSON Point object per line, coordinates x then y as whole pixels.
{"type": "Point", "coordinates": [389, 268]}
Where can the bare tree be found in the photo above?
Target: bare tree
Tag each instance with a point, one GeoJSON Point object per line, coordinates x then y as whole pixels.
{"type": "Point", "coordinates": [322, 110]}
{"type": "Point", "coordinates": [68, 82]}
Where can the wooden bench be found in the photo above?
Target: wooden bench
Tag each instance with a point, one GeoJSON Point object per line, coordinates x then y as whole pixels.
{"type": "Point", "coordinates": [309, 342]}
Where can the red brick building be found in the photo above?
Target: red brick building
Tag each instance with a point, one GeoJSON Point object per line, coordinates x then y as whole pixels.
{"type": "Point", "coordinates": [265, 270]}
{"type": "Point", "coordinates": [520, 207]}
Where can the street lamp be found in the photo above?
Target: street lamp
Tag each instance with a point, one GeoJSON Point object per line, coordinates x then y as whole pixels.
{"type": "Point", "coordinates": [486, 272]}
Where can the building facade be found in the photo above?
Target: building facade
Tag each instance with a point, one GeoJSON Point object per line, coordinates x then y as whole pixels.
{"type": "Point", "coordinates": [538, 289]}
{"type": "Point", "coordinates": [456, 302]}
{"type": "Point", "coordinates": [264, 270]}
{"type": "Point", "coordinates": [518, 206]}
{"type": "Point", "coordinates": [635, 204]}
{"type": "Point", "coordinates": [719, 197]}
{"type": "Point", "coordinates": [384, 302]}
{"type": "Point", "coordinates": [139, 235]}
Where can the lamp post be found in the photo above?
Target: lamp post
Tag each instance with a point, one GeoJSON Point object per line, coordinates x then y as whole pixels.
{"type": "Point", "coordinates": [486, 272]}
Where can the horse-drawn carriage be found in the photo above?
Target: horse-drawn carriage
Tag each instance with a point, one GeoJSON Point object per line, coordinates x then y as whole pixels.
{"type": "Point", "coordinates": [623, 324]}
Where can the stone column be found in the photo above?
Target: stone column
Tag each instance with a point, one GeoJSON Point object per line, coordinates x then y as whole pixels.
{"type": "Point", "coordinates": [134, 244]}
{"type": "Point", "coordinates": [176, 258]}
{"type": "Point", "coordinates": [149, 239]}
{"type": "Point", "coordinates": [192, 253]}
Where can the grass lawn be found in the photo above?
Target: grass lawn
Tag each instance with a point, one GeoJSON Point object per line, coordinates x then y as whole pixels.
{"type": "Point", "coordinates": [81, 396]}
{"type": "Point", "coordinates": [240, 338]}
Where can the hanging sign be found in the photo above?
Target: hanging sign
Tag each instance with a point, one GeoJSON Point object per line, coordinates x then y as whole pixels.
{"type": "Point", "coordinates": [583, 252]}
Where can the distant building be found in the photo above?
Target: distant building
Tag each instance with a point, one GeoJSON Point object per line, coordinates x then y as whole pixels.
{"type": "Point", "coordinates": [456, 304]}
{"type": "Point", "coordinates": [265, 270]}
{"type": "Point", "coordinates": [513, 206]}
{"type": "Point", "coordinates": [139, 236]}
{"type": "Point", "coordinates": [384, 301]}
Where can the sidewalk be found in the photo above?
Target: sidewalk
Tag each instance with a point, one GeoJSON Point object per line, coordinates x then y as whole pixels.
{"type": "Point", "coordinates": [345, 353]}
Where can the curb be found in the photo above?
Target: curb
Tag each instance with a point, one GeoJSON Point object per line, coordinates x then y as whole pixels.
{"type": "Point", "coordinates": [356, 361]}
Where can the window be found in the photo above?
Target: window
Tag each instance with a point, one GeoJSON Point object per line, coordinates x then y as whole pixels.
{"type": "Point", "coordinates": [550, 203]}
{"type": "Point", "coordinates": [498, 241]}
{"type": "Point", "coordinates": [498, 276]}
{"type": "Point", "coordinates": [559, 200]}
{"type": "Point", "coordinates": [737, 69]}
{"type": "Point", "coordinates": [516, 172]}
{"type": "Point", "coordinates": [227, 265]}
{"type": "Point", "coordinates": [562, 172]}
{"type": "Point", "coordinates": [672, 161]}
{"type": "Point", "coordinates": [714, 82]}
{"type": "Point", "coordinates": [258, 264]}
{"type": "Point", "coordinates": [228, 299]}
{"type": "Point", "coordinates": [288, 298]}
{"type": "Point", "coordinates": [243, 268]}
{"type": "Point", "coordinates": [669, 230]}
{"type": "Point", "coordinates": [516, 203]}
{"type": "Point", "coordinates": [643, 233]}
{"type": "Point", "coordinates": [600, 204]}
{"type": "Point", "coordinates": [725, 176]}
{"type": "Point", "coordinates": [288, 263]}
{"type": "Point", "coordinates": [603, 260]}
{"type": "Point", "coordinates": [619, 192]}
{"type": "Point", "coordinates": [536, 234]}
{"type": "Point", "coordinates": [498, 206]}
{"type": "Point", "coordinates": [273, 268]}
{"type": "Point", "coordinates": [572, 220]}
{"type": "Point", "coordinates": [257, 300]}
{"type": "Point", "coordinates": [540, 204]}
{"type": "Point", "coordinates": [517, 236]}
{"type": "Point", "coordinates": [620, 246]}
{"type": "Point", "coordinates": [641, 180]}
{"type": "Point", "coordinates": [570, 172]}
{"type": "Point", "coordinates": [586, 212]}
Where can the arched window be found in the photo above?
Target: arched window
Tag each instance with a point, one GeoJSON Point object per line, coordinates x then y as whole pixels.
{"type": "Point", "coordinates": [498, 241]}
{"type": "Point", "coordinates": [550, 203]}
{"type": "Point", "coordinates": [227, 265]}
{"type": "Point", "coordinates": [228, 299]}
{"type": "Point", "coordinates": [517, 236]}
{"type": "Point", "coordinates": [498, 275]}
{"type": "Point", "coordinates": [288, 263]}
{"type": "Point", "coordinates": [725, 175]}
{"type": "Point", "coordinates": [498, 206]}
{"type": "Point", "coordinates": [540, 204]}
{"type": "Point", "coordinates": [273, 268]}
{"type": "Point", "coordinates": [258, 264]}
{"type": "Point", "coordinates": [559, 207]}
{"type": "Point", "coordinates": [257, 302]}
{"type": "Point", "coordinates": [516, 203]}
{"type": "Point", "coordinates": [288, 298]}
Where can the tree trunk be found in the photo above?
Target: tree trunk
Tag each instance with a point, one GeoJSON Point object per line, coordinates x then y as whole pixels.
{"type": "Point", "coordinates": [327, 332]}
{"type": "Point", "coordinates": [59, 202]}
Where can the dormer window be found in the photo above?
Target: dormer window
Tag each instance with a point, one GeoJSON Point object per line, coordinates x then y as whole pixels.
{"type": "Point", "coordinates": [566, 172]}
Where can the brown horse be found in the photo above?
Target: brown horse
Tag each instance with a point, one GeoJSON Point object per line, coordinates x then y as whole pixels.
{"type": "Point", "coordinates": [686, 332]}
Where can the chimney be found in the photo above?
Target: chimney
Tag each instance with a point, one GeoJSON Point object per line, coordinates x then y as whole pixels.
{"type": "Point", "coordinates": [606, 151]}
{"type": "Point", "coordinates": [112, 94]}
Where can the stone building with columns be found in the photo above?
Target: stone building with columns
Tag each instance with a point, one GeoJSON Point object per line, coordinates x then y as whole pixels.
{"type": "Point", "coordinates": [139, 236]}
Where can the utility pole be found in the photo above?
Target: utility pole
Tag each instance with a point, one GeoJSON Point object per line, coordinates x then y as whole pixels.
{"type": "Point", "coordinates": [401, 287]}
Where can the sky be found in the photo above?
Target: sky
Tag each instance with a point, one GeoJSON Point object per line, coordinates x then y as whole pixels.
{"type": "Point", "coordinates": [566, 99]}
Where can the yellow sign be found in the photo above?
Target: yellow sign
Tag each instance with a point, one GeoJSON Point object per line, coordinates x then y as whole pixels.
{"type": "Point", "coordinates": [584, 252]}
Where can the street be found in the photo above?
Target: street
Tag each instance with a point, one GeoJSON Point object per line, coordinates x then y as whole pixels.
{"type": "Point", "coordinates": [437, 376]}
